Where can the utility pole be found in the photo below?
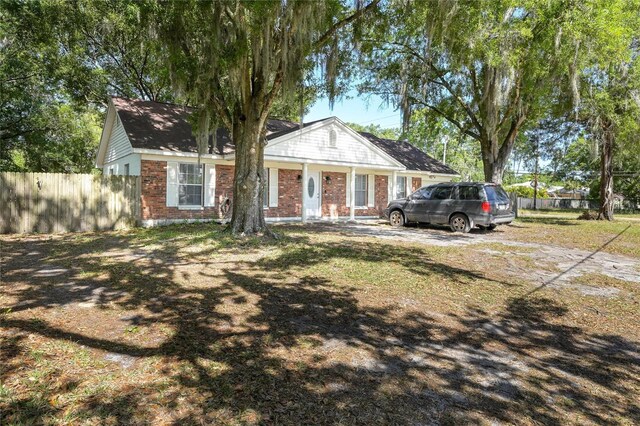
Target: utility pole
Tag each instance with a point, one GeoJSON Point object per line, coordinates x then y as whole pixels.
{"type": "Point", "coordinates": [444, 154]}
{"type": "Point", "coordinates": [535, 176]}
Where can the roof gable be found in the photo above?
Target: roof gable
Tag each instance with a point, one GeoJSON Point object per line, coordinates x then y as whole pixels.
{"type": "Point", "coordinates": [313, 143]}
{"type": "Point", "coordinates": [114, 142]}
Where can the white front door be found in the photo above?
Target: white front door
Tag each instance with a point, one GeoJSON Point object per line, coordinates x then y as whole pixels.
{"type": "Point", "coordinates": [311, 191]}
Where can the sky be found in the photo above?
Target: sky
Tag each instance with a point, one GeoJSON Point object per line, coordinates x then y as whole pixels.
{"type": "Point", "coordinates": [356, 109]}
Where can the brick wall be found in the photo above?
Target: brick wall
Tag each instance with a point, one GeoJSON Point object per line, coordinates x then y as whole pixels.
{"type": "Point", "coordinates": [382, 194]}
{"type": "Point", "coordinates": [334, 196]}
{"type": "Point", "coordinates": [154, 192]}
{"type": "Point", "coordinates": [153, 195]}
{"type": "Point", "coordinates": [289, 195]}
{"type": "Point", "coordinates": [224, 188]}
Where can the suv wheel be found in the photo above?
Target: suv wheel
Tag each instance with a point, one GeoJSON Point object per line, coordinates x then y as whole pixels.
{"type": "Point", "coordinates": [396, 218]}
{"type": "Point", "coordinates": [459, 223]}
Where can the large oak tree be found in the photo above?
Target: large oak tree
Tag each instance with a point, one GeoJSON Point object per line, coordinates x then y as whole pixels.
{"type": "Point", "coordinates": [488, 67]}
{"type": "Point", "coordinates": [233, 58]}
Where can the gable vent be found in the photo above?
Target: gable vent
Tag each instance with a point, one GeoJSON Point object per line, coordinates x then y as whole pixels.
{"type": "Point", "coordinates": [333, 138]}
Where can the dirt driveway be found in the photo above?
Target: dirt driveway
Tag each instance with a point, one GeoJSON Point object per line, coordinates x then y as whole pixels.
{"type": "Point", "coordinates": [549, 264]}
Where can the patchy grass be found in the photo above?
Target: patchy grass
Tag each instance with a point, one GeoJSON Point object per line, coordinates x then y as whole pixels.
{"type": "Point", "coordinates": [574, 213]}
{"type": "Point", "coordinates": [184, 325]}
{"type": "Point", "coordinates": [618, 237]}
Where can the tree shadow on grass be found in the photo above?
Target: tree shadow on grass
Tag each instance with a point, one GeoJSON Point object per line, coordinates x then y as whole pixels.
{"type": "Point", "coordinates": [264, 342]}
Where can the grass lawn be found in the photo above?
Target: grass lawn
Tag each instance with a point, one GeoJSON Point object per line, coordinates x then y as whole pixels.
{"type": "Point", "coordinates": [574, 213]}
{"type": "Point", "coordinates": [620, 236]}
{"type": "Point", "coordinates": [183, 325]}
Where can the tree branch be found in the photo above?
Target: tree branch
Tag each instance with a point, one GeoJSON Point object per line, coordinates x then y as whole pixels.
{"type": "Point", "coordinates": [344, 22]}
{"type": "Point", "coordinates": [450, 119]}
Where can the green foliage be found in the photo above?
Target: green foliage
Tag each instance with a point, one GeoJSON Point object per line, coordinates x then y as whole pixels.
{"type": "Point", "coordinates": [429, 132]}
{"type": "Point", "coordinates": [59, 61]}
{"type": "Point", "coordinates": [375, 129]}
{"type": "Point", "coordinates": [487, 67]}
{"type": "Point", "coordinates": [526, 191]}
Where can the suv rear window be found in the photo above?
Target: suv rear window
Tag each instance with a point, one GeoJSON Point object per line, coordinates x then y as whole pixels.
{"type": "Point", "coordinates": [496, 193]}
{"type": "Point", "coordinates": [468, 193]}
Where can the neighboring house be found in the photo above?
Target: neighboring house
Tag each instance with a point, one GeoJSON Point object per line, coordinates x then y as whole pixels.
{"type": "Point", "coordinates": [562, 192]}
{"type": "Point", "coordinates": [325, 170]}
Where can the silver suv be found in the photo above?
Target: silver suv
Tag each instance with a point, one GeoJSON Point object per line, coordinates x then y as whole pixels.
{"type": "Point", "coordinates": [460, 205]}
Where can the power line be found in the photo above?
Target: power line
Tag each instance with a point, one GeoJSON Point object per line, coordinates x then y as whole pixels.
{"type": "Point", "coordinates": [378, 119]}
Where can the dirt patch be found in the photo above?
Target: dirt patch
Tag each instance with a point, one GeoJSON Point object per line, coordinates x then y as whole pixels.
{"type": "Point", "coordinates": [562, 266]}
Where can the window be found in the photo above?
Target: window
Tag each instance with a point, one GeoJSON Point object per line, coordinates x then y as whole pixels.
{"type": "Point", "coordinates": [111, 171]}
{"type": "Point", "coordinates": [361, 191]}
{"type": "Point", "coordinates": [401, 187]}
{"type": "Point", "coordinates": [190, 185]}
{"type": "Point", "coordinates": [265, 188]}
{"type": "Point", "coordinates": [333, 138]}
{"type": "Point", "coordinates": [126, 169]}
{"type": "Point", "coordinates": [441, 193]}
{"type": "Point", "coordinates": [468, 193]}
{"type": "Point", "coordinates": [496, 193]}
{"type": "Point", "coordinates": [423, 193]}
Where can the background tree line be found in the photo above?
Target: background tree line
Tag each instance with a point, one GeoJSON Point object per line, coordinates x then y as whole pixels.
{"type": "Point", "coordinates": [497, 79]}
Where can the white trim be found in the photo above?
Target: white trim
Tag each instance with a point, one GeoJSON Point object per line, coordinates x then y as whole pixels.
{"type": "Point", "coordinates": [305, 176]}
{"type": "Point", "coordinates": [371, 190]}
{"type": "Point", "coordinates": [172, 184]}
{"type": "Point", "coordinates": [194, 207]}
{"type": "Point", "coordinates": [209, 188]}
{"type": "Point", "coordinates": [352, 191]}
{"type": "Point", "coordinates": [391, 187]}
{"type": "Point", "coordinates": [148, 223]}
{"type": "Point", "coordinates": [109, 121]}
{"type": "Point", "coordinates": [177, 154]}
{"type": "Point", "coordinates": [304, 160]}
{"type": "Point", "coordinates": [336, 121]}
{"type": "Point", "coordinates": [272, 185]}
{"type": "Point", "coordinates": [423, 173]}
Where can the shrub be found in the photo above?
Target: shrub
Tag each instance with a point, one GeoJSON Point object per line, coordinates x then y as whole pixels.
{"type": "Point", "coordinates": [526, 191]}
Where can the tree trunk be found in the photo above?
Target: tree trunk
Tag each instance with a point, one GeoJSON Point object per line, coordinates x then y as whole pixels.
{"type": "Point", "coordinates": [606, 176]}
{"type": "Point", "coordinates": [494, 160]}
{"type": "Point", "coordinates": [248, 214]}
{"type": "Point", "coordinates": [495, 155]}
{"type": "Point", "coordinates": [493, 169]}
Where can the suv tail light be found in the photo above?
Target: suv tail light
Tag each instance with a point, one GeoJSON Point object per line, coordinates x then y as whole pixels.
{"type": "Point", "coordinates": [486, 207]}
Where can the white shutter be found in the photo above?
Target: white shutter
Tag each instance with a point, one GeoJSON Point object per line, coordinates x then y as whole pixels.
{"type": "Point", "coordinates": [391, 193]}
{"type": "Point", "coordinates": [172, 184]}
{"type": "Point", "coordinates": [409, 183]}
{"type": "Point", "coordinates": [421, 182]}
{"type": "Point", "coordinates": [348, 188]}
{"type": "Point", "coordinates": [371, 186]}
{"type": "Point", "coordinates": [209, 185]}
{"type": "Point", "coordinates": [273, 187]}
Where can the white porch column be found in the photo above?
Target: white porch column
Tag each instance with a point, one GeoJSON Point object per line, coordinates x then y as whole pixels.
{"type": "Point", "coordinates": [392, 186]}
{"type": "Point", "coordinates": [352, 191]}
{"type": "Point", "coordinates": [305, 177]}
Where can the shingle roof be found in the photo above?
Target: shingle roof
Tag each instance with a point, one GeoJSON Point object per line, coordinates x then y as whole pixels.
{"type": "Point", "coordinates": [166, 127]}
{"type": "Point", "coordinates": [410, 156]}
